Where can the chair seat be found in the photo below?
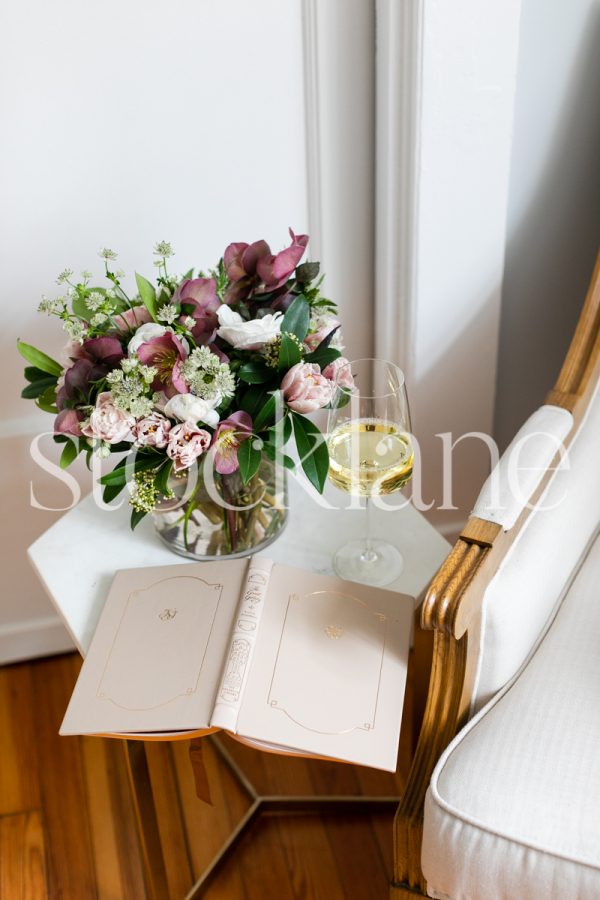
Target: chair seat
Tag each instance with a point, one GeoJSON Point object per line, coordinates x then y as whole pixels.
{"type": "Point", "coordinates": [513, 809]}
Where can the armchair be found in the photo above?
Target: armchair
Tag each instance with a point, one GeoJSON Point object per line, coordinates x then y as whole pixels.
{"type": "Point", "coordinates": [506, 806]}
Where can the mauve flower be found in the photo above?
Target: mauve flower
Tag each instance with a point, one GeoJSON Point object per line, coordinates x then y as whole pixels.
{"type": "Point", "coordinates": [192, 409]}
{"type": "Point", "coordinates": [305, 389]}
{"type": "Point", "coordinates": [227, 439]}
{"type": "Point", "coordinates": [201, 294]}
{"type": "Point", "coordinates": [77, 381]}
{"type": "Point", "coordinates": [105, 350]}
{"type": "Point", "coordinates": [186, 444]}
{"type": "Point", "coordinates": [251, 335]}
{"type": "Point", "coordinates": [68, 421]}
{"type": "Point", "coordinates": [132, 318]}
{"type": "Point", "coordinates": [107, 423]}
{"type": "Point", "coordinates": [240, 259]}
{"type": "Point", "coordinates": [250, 265]}
{"type": "Point", "coordinates": [153, 431]}
{"type": "Point", "coordinates": [340, 373]}
{"type": "Point", "coordinates": [312, 341]}
{"type": "Point", "coordinates": [274, 270]}
{"type": "Point", "coordinates": [166, 353]}
{"type": "Point", "coordinates": [144, 333]}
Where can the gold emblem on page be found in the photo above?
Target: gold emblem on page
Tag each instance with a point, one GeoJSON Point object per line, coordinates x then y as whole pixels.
{"type": "Point", "coordinates": [334, 632]}
{"type": "Point", "coordinates": [167, 614]}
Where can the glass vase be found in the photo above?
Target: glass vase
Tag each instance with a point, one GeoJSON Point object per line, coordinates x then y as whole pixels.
{"type": "Point", "coordinates": [212, 516]}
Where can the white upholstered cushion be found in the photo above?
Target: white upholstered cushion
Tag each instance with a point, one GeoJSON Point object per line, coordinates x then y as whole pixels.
{"type": "Point", "coordinates": [522, 466]}
{"type": "Point", "coordinates": [513, 810]}
{"type": "Point", "coordinates": [523, 594]}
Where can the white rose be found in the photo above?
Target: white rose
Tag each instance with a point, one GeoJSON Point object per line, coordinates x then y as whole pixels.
{"type": "Point", "coordinates": [247, 335]}
{"type": "Point", "coordinates": [148, 331]}
{"type": "Point", "coordinates": [189, 408]}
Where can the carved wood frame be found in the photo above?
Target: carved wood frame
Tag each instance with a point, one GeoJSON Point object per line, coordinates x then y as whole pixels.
{"type": "Point", "coordinates": [452, 609]}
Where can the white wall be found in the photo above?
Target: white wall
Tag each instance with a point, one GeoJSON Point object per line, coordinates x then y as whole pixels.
{"type": "Point", "coordinates": [553, 229]}
{"type": "Point", "coordinates": [124, 124]}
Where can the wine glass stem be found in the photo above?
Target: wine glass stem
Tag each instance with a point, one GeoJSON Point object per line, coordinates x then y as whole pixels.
{"type": "Point", "coordinates": [368, 555]}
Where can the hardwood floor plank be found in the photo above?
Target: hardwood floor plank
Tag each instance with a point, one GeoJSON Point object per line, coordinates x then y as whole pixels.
{"type": "Point", "coordinates": [19, 783]}
{"type": "Point", "coordinates": [209, 826]}
{"type": "Point", "coordinates": [114, 838]}
{"type": "Point", "coordinates": [71, 870]}
{"type": "Point", "coordinates": [22, 857]}
{"type": "Point", "coordinates": [170, 823]}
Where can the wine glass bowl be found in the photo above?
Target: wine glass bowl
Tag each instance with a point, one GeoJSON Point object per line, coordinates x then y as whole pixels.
{"type": "Point", "coordinates": [370, 453]}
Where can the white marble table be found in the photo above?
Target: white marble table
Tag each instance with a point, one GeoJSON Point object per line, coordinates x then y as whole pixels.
{"type": "Point", "coordinates": [78, 556]}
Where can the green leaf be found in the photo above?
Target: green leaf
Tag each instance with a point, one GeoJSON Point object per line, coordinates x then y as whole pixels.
{"type": "Point", "coordinates": [282, 458]}
{"type": "Point", "coordinates": [39, 359]}
{"type": "Point", "coordinates": [286, 424]}
{"type": "Point", "coordinates": [267, 412]}
{"type": "Point", "coordinates": [289, 353]}
{"type": "Point", "coordinates": [323, 356]}
{"type": "Point", "coordinates": [307, 272]}
{"type": "Point", "coordinates": [111, 491]}
{"type": "Point", "coordinates": [249, 456]}
{"type": "Point", "coordinates": [161, 482]}
{"type": "Point", "coordinates": [297, 318]}
{"type": "Point", "coordinates": [47, 401]}
{"type": "Point", "coordinates": [136, 517]}
{"type": "Point", "coordinates": [118, 475]}
{"type": "Point", "coordinates": [70, 452]}
{"type": "Point", "coordinates": [253, 399]}
{"type": "Point", "coordinates": [124, 469]}
{"type": "Point", "coordinates": [37, 388]}
{"type": "Point", "coordinates": [188, 274]}
{"type": "Point", "coordinates": [32, 373]}
{"type": "Point", "coordinates": [314, 456]}
{"type": "Point", "coordinates": [147, 293]}
{"type": "Point", "coordinates": [255, 373]}
{"type": "Point", "coordinates": [80, 309]}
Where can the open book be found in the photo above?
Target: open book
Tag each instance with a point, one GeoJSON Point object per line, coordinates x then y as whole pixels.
{"type": "Point", "coordinates": [281, 658]}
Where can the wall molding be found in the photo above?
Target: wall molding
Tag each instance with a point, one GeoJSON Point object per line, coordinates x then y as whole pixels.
{"type": "Point", "coordinates": [339, 87]}
{"type": "Point", "coordinates": [42, 636]}
{"type": "Point", "coordinates": [399, 32]}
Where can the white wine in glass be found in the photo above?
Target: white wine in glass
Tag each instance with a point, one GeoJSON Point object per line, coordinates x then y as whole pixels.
{"type": "Point", "coordinates": [370, 453]}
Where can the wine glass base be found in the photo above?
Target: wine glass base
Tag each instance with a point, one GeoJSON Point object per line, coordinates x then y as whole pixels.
{"type": "Point", "coordinates": [377, 563]}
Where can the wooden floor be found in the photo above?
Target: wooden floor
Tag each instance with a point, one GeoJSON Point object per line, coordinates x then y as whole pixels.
{"type": "Point", "coordinates": [67, 828]}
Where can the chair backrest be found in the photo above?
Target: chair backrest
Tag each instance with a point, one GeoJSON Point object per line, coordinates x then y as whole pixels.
{"type": "Point", "coordinates": [527, 587]}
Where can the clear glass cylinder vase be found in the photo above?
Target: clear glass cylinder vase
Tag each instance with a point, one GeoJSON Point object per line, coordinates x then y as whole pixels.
{"type": "Point", "coordinates": [212, 516]}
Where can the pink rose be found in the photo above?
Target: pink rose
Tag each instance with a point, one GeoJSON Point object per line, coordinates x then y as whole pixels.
{"type": "Point", "coordinates": [153, 431]}
{"type": "Point", "coordinates": [186, 444]}
{"type": "Point", "coordinates": [340, 373]}
{"type": "Point", "coordinates": [312, 341]}
{"type": "Point", "coordinates": [130, 319]}
{"type": "Point", "coordinates": [305, 389]}
{"type": "Point", "coordinates": [107, 423]}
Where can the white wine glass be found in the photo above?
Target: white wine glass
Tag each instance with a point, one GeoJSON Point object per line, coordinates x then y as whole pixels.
{"type": "Point", "coordinates": [370, 453]}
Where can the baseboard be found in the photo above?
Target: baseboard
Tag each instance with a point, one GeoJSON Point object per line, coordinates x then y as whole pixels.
{"type": "Point", "coordinates": [32, 638]}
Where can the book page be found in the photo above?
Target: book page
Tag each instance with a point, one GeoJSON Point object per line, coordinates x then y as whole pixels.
{"type": "Point", "coordinates": [155, 659]}
{"type": "Point", "coordinates": [329, 668]}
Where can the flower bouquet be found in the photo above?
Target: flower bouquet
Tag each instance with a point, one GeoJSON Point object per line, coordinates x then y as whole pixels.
{"type": "Point", "coordinates": [201, 381]}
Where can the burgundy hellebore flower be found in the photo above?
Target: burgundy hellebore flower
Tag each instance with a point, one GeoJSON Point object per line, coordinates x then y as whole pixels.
{"type": "Point", "coordinates": [166, 353]}
{"type": "Point", "coordinates": [227, 439]}
{"type": "Point", "coordinates": [201, 294]}
{"type": "Point", "coordinates": [68, 421]}
{"type": "Point", "coordinates": [251, 265]}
